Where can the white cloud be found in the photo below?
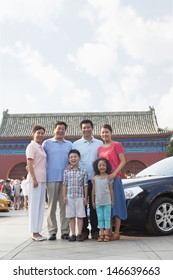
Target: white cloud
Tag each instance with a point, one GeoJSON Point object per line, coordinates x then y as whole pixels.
{"type": "Point", "coordinates": [33, 63]}
{"type": "Point", "coordinates": [149, 41]}
{"type": "Point", "coordinates": [55, 85]}
{"type": "Point", "coordinates": [133, 45]}
{"type": "Point", "coordinates": [77, 100]}
{"type": "Point", "coordinates": [35, 11]}
{"type": "Point", "coordinates": [118, 26]}
{"type": "Point", "coordinates": [164, 109]}
{"type": "Point", "coordinates": [97, 59]}
{"type": "Point", "coordinates": [118, 58]}
{"type": "Point", "coordinates": [132, 77]}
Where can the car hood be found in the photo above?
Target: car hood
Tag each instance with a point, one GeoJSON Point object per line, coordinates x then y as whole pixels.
{"type": "Point", "coordinates": [147, 181]}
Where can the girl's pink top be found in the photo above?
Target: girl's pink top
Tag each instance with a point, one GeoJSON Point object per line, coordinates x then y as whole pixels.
{"type": "Point", "coordinates": [111, 153]}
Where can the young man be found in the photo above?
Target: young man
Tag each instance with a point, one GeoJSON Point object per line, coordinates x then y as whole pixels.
{"type": "Point", "coordinates": [88, 148]}
{"type": "Point", "coordinates": [57, 149]}
{"type": "Point", "coordinates": [75, 187]}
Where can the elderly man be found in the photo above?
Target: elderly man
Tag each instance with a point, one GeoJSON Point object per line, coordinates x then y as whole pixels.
{"type": "Point", "coordinates": [57, 149]}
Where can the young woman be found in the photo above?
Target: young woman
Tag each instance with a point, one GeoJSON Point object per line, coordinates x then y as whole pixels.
{"type": "Point", "coordinates": [36, 178]}
{"type": "Point", "coordinates": [114, 152]}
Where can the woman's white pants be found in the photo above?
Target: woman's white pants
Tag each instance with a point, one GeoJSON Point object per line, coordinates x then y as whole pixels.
{"type": "Point", "coordinates": [36, 205]}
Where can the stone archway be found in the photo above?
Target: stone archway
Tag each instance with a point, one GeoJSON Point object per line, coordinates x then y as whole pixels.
{"type": "Point", "coordinates": [134, 166]}
{"type": "Point", "coordinates": [18, 171]}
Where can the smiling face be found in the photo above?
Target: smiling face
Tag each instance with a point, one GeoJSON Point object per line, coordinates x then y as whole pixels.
{"type": "Point", "coordinates": [87, 130]}
{"type": "Point", "coordinates": [106, 134]}
{"type": "Point", "coordinates": [59, 132]}
{"type": "Point", "coordinates": [102, 166]}
{"type": "Point", "coordinates": [74, 159]}
{"type": "Point", "coordinates": [38, 135]}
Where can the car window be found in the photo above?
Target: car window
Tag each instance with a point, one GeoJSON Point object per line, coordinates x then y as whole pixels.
{"type": "Point", "coordinates": [160, 168]}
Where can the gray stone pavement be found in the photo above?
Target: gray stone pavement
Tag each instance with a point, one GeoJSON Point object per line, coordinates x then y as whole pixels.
{"type": "Point", "coordinates": [16, 244]}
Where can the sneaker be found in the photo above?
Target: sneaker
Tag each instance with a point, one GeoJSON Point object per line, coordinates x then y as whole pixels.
{"type": "Point", "coordinates": [39, 238]}
{"type": "Point", "coordinates": [72, 238]}
{"type": "Point", "coordinates": [79, 238]}
{"type": "Point", "coordinates": [43, 238]}
{"type": "Point", "coordinates": [65, 236]}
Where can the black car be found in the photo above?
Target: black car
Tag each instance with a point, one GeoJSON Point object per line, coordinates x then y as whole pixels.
{"type": "Point", "coordinates": [149, 197]}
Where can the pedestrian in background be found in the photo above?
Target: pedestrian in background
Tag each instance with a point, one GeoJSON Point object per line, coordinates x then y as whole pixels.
{"type": "Point", "coordinates": [24, 187]}
{"type": "Point", "coordinates": [17, 194]}
{"type": "Point", "coordinates": [7, 188]}
{"type": "Point", "coordinates": [1, 184]}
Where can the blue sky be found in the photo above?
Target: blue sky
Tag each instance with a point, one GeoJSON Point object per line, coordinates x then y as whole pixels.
{"type": "Point", "coordinates": [85, 55]}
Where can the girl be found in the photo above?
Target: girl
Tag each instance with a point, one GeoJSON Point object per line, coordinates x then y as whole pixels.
{"type": "Point", "coordinates": [36, 164]}
{"type": "Point", "coordinates": [102, 196]}
{"type": "Point", "coordinates": [114, 152]}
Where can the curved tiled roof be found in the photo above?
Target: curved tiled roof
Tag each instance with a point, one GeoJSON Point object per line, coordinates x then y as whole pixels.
{"type": "Point", "coordinates": [123, 123]}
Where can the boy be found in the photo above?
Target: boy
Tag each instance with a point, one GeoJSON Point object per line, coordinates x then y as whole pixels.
{"type": "Point", "coordinates": [75, 191]}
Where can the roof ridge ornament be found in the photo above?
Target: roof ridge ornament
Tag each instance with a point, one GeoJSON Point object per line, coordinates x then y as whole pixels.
{"type": "Point", "coordinates": [5, 112]}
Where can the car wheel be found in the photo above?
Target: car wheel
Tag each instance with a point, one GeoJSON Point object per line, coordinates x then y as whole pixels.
{"type": "Point", "coordinates": [160, 217]}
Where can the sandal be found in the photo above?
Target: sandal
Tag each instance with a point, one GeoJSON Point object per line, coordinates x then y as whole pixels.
{"type": "Point", "coordinates": [115, 236]}
{"type": "Point", "coordinates": [107, 238]}
{"type": "Point", "coordinates": [100, 238]}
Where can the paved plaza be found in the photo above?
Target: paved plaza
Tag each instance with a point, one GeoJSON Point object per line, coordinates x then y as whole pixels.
{"type": "Point", "coordinates": [16, 244]}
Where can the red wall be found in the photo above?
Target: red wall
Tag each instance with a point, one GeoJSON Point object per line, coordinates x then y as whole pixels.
{"type": "Point", "coordinates": [146, 158]}
{"type": "Point", "coordinates": [7, 162]}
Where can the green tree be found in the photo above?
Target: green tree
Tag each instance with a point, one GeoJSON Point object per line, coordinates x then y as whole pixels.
{"type": "Point", "coordinates": [169, 148]}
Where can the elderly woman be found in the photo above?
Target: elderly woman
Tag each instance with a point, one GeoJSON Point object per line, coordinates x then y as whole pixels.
{"type": "Point", "coordinates": [36, 178]}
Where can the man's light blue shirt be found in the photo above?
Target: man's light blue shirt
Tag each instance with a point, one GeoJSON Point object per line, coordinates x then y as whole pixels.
{"type": "Point", "coordinates": [57, 158]}
{"type": "Point", "coordinates": [89, 153]}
